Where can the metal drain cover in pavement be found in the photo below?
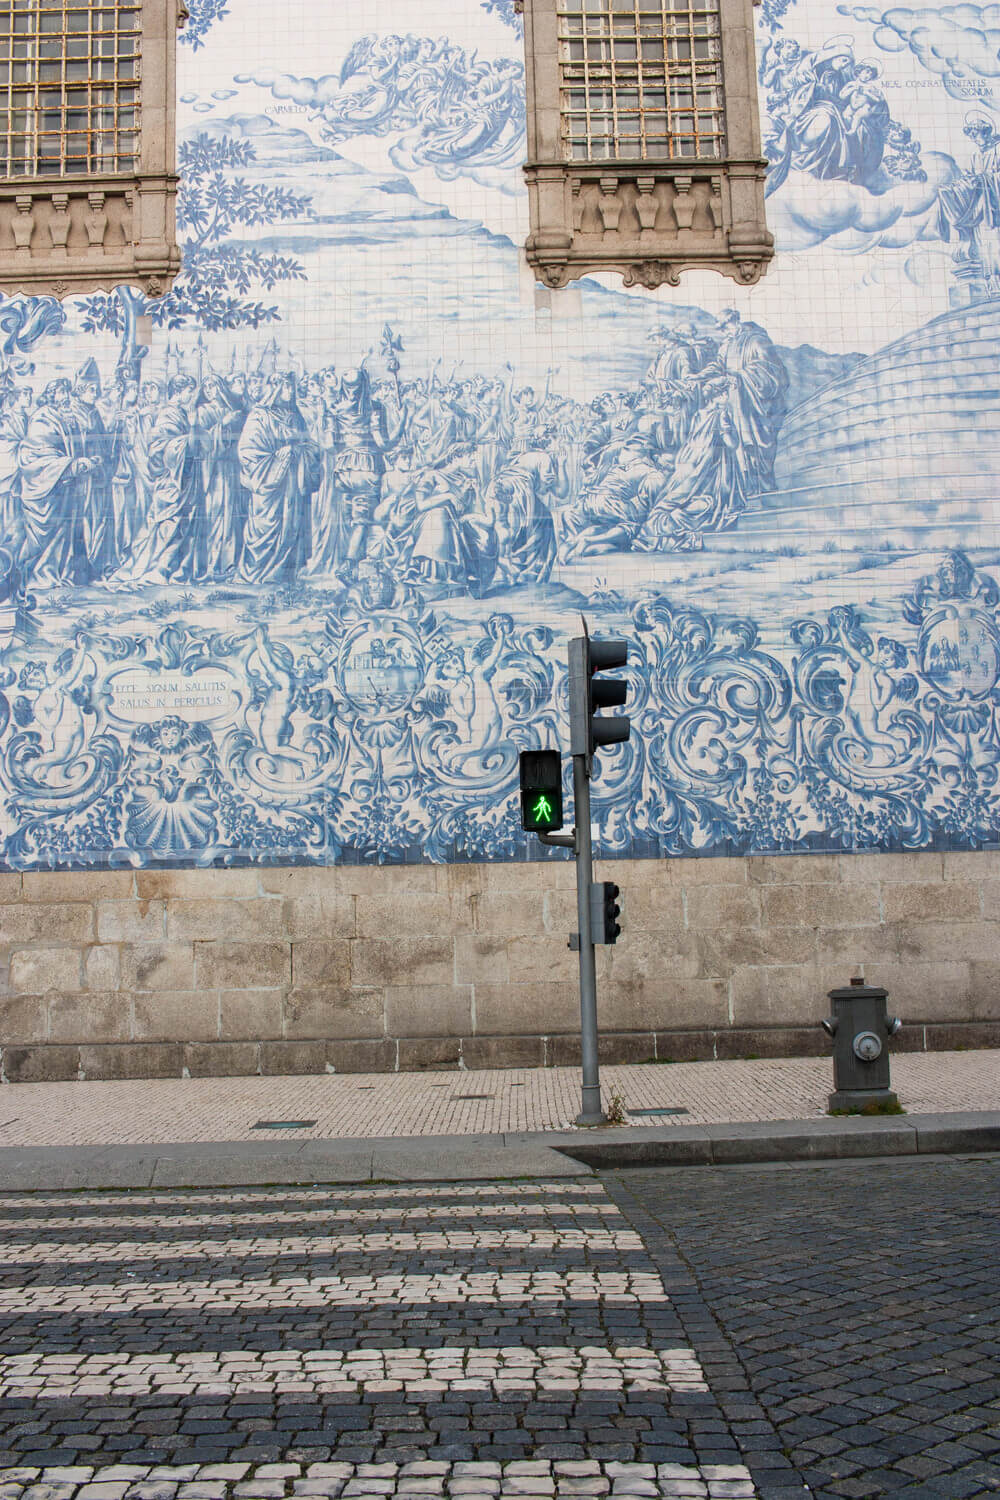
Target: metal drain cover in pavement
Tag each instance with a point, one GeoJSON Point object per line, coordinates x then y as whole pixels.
{"type": "Point", "coordinates": [283, 1125]}
{"type": "Point", "coordinates": [472, 1096]}
{"type": "Point", "coordinates": [656, 1112]}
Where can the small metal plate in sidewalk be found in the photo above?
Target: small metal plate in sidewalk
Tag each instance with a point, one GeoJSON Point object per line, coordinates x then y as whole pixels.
{"type": "Point", "coordinates": [283, 1125]}
{"type": "Point", "coordinates": [671, 1111]}
{"type": "Point", "coordinates": [472, 1096]}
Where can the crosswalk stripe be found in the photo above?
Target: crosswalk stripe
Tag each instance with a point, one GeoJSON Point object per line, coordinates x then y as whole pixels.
{"type": "Point", "coordinates": [527, 1479]}
{"type": "Point", "coordinates": [426, 1372]}
{"type": "Point", "coordinates": [571, 1246]}
{"type": "Point", "coordinates": [68, 1253]}
{"type": "Point", "coordinates": [88, 1223]}
{"type": "Point", "coordinates": [504, 1288]}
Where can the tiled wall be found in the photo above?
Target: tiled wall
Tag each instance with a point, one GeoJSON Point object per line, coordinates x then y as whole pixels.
{"type": "Point", "coordinates": [290, 559]}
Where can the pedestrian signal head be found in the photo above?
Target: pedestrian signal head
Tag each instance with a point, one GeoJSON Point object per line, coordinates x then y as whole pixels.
{"type": "Point", "coordinates": [541, 791]}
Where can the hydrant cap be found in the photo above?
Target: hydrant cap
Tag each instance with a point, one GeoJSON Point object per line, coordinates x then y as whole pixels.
{"type": "Point", "coordinates": [859, 992]}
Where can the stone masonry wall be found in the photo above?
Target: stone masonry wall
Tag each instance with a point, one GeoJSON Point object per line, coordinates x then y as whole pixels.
{"type": "Point", "coordinates": [153, 973]}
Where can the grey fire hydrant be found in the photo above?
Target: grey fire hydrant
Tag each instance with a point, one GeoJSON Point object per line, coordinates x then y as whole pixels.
{"type": "Point", "coordinates": [861, 1030]}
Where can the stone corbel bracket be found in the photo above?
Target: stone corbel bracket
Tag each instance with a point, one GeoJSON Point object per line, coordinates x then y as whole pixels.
{"type": "Point", "coordinates": [646, 222]}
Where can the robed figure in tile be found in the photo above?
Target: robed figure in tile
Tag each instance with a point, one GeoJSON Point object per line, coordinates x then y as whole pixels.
{"type": "Point", "coordinates": [130, 484]}
{"type": "Point", "coordinates": [729, 455]}
{"type": "Point", "coordinates": [51, 472]}
{"type": "Point", "coordinates": [13, 429]}
{"type": "Point", "coordinates": [971, 204]}
{"type": "Point", "coordinates": [221, 418]}
{"type": "Point", "coordinates": [169, 548]}
{"type": "Point", "coordinates": [92, 442]}
{"type": "Point", "coordinates": [280, 466]}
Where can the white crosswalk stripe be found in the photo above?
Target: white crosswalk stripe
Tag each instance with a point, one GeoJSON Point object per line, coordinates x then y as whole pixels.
{"type": "Point", "coordinates": [70, 1253]}
{"type": "Point", "coordinates": [321, 1213]}
{"type": "Point", "coordinates": [509, 1288]}
{"type": "Point", "coordinates": [527, 1479]}
{"type": "Point", "coordinates": [417, 1371]}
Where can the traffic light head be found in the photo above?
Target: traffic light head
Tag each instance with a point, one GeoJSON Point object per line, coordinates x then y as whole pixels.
{"type": "Point", "coordinates": [541, 791]}
{"type": "Point", "coordinates": [589, 730]}
{"type": "Point", "coordinates": [604, 912]}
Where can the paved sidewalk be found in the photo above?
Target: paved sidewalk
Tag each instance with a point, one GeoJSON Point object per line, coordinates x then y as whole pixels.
{"type": "Point", "coordinates": [450, 1127]}
{"type": "Point", "coordinates": [522, 1100]}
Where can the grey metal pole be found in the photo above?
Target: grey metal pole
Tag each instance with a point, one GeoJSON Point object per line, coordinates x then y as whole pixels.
{"type": "Point", "coordinates": [591, 1112]}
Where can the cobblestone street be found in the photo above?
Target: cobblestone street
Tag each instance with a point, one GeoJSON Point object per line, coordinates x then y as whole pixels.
{"type": "Point", "coordinates": [849, 1313]}
{"type": "Point", "coordinates": [664, 1333]}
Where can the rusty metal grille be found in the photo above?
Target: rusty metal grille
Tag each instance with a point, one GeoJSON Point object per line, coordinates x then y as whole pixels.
{"type": "Point", "coordinates": [641, 80]}
{"type": "Point", "coordinates": [69, 81]}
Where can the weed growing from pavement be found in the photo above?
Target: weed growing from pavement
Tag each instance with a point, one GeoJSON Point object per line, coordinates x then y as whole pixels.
{"type": "Point", "coordinates": [615, 1108]}
{"type": "Point", "coordinates": [875, 1107]}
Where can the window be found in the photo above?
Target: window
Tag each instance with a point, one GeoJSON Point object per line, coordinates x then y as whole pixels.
{"type": "Point", "coordinates": [88, 194]}
{"type": "Point", "coordinates": [643, 139]}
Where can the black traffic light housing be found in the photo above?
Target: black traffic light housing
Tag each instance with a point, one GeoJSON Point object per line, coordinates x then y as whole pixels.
{"type": "Point", "coordinates": [589, 730]}
{"type": "Point", "coordinates": [604, 912]}
{"type": "Point", "coordinates": [541, 791]}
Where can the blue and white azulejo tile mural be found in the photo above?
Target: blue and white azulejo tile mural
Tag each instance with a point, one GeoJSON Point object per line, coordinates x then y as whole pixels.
{"type": "Point", "coordinates": [290, 557]}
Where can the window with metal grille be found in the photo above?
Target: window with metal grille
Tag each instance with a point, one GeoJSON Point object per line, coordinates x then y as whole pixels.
{"type": "Point", "coordinates": [644, 145]}
{"type": "Point", "coordinates": [69, 72]}
{"type": "Point", "coordinates": [88, 150]}
{"type": "Point", "coordinates": [641, 80]}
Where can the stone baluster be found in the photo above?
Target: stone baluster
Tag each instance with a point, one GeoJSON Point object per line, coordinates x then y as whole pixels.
{"type": "Point", "coordinates": [59, 222]}
{"type": "Point", "coordinates": [646, 206]}
{"type": "Point", "coordinates": [23, 225]}
{"type": "Point", "coordinates": [683, 204]}
{"type": "Point", "coordinates": [96, 219]}
{"type": "Point", "coordinates": [715, 205]}
{"type": "Point", "coordinates": [579, 202]}
{"type": "Point", "coordinates": [609, 204]}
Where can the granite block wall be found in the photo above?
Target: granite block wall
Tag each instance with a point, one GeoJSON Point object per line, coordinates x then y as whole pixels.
{"type": "Point", "coordinates": [146, 973]}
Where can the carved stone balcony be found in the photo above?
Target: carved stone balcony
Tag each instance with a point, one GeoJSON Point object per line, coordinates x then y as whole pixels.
{"type": "Point", "coordinates": [648, 219]}
{"type": "Point", "coordinates": [87, 234]}
{"type": "Point", "coordinates": [647, 222]}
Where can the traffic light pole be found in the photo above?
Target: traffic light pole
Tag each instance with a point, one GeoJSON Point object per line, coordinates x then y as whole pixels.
{"type": "Point", "coordinates": [591, 1112]}
{"type": "Point", "coordinates": [589, 731]}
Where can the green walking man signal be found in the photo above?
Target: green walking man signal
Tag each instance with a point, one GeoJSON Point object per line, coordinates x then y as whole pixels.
{"type": "Point", "coordinates": [541, 790]}
{"type": "Point", "coordinates": [543, 810]}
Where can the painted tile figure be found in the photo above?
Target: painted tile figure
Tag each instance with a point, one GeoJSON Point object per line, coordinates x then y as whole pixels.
{"type": "Point", "coordinates": [971, 205]}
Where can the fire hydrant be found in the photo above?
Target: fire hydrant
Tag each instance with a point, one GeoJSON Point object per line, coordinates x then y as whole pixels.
{"type": "Point", "coordinates": [861, 1030]}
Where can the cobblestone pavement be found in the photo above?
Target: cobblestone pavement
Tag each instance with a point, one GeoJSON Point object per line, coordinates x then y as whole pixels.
{"type": "Point", "coordinates": [747, 1332]}
{"type": "Point", "coordinates": [853, 1310]}
{"type": "Point", "coordinates": [491, 1340]}
{"type": "Point", "coordinates": [158, 1110]}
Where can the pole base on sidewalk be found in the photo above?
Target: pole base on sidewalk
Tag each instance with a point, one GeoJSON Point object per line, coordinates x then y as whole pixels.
{"type": "Point", "coordinates": [591, 1117]}
{"type": "Point", "coordinates": [858, 1101]}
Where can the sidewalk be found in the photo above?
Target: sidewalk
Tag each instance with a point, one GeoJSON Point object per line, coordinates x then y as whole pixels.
{"type": "Point", "coordinates": [454, 1125]}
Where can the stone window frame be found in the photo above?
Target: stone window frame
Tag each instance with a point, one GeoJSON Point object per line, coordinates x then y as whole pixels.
{"type": "Point", "coordinates": [647, 220]}
{"type": "Point", "coordinates": [94, 231]}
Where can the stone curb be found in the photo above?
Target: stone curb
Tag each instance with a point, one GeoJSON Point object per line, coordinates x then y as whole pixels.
{"type": "Point", "coordinates": [789, 1140]}
{"type": "Point", "coordinates": [541, 1155]}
